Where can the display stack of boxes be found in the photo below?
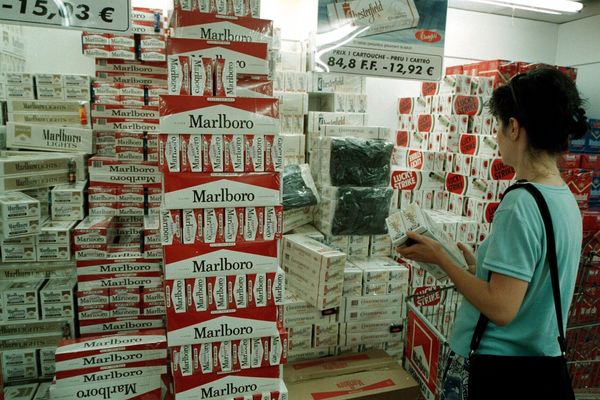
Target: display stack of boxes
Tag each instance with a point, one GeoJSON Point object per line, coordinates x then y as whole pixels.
{"type": "Point", "coordinates": [128, 365]}
{"type": "Point", "coordinates": [221, 220]}
{"type": "Point", "coordinates": [146, 43]}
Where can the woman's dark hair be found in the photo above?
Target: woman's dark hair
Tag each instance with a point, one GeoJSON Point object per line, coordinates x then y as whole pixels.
{"type": "Point", "coordinates": [547, 104]}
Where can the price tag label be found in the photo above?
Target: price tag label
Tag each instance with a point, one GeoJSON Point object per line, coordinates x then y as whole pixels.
{"type": "Point", "coordinates": [92, 15]}
{"type": "Point", "coordinates": [355, 60]}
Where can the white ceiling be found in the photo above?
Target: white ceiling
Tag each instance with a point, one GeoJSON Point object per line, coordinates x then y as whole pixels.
{"type": "Point", "coordinates": [590, 8]}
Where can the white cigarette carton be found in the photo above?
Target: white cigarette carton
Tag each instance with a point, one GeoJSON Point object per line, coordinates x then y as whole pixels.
{"type": "Point", "coordinates": [53, 252]}
{"type": "Point", "coordinates": [49, 92]}
{"type": "Point", "coordinates": [58, 291]}
{"type": "Point", "coordinates": [17, 205]}
{"type": "Point", "coordinates": [405, 179]}
{"type": "Point", "coordinates": [39, 137]}
{"type": "Point", "coordinates": [321, 82]}
{"type": "Point", "coordinates": [20, 392]}
{"type": "Point", "coordinates": [15, 228]}
{"type": "Point", "coordinates": [414, 219]}
{"type": "Point", "coordinates": [71, 193]}
{"type": "Point", "coordinates": [22, 293]}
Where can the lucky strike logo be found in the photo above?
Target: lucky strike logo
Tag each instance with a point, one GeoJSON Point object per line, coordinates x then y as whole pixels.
{"type": "Point", "coordinates": [455, 183]}
{"type": "Point", "coordinates": [428, 296]}
{"type": "Point", "coordinates": [466, 105]}
{"type": "Point", "coordinates": [425, 122]}
{"type": "Point", "coordinates": [501, 171]}
{"type": "Point", "coordinates": [427, 36]}
{"type": "Point", "coordinates": [415, 159]}
{"type": "Point", "coordinates": [429, 88]}
{"type": "Point", "coordinates": [490, 210]}
{"type": "Point", "coordinates": [405, 105]}
{"type": "Point", "coordinates": [404, 180]}
{"type": "Point", "coordinates": [468, 144]}
{"type": "Point", "coordinates": [402, 138]}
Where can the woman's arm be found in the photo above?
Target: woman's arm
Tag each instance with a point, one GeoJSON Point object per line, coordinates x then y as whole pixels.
{"type": "Point", "coordinates": [499, 299]}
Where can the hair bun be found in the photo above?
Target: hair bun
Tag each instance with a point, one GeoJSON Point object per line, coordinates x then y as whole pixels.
{"type": "Point", "coordinates": [580, 124]}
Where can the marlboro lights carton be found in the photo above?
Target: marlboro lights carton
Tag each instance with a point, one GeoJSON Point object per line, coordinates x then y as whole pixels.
{"type": "Point", "coordinates": [229, 356]}
{"type": "Point", "coordinates": [188, 190]}
{"type": "Point", "coordinates": [251, 58]}
{"type": "Point", "coordinates": [131, 347]}
{"type": "Point", "coordinates": [190, 261]}
{"type": "Point", "coordinates": [238, 384]}
{"type": "Point", "coordinates": [213, 326]}
{"type": "Point", "coordinates": [208, 116]}
{"type": "Point", "coordinates": [195, 25]}
{"type": "Point", "coordinates": [224, 292]}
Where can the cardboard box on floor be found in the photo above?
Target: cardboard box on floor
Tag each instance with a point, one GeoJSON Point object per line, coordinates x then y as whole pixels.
{"type": "Point", "coordinates": [357, 376]}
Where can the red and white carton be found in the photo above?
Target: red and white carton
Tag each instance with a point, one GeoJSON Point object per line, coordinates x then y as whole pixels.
{"type": "Point", "coordinates": [481, 210]}
{"type": "Point", "coordinates": [233, 153]}
{"type": "Point", "coordinates": [124, 295]}
{"type": "Point", "coordinates": [131, 90]}
{"type": "Point", "coordinates": [254, 153]}
{"type": "Point", "coordinates": [404, 179]}
{"type": "Point", "coordinates": [498, 171]}
{"type": "Point", "coordinates": [214, 226]}
{"type": "Point", "coordinates": [126, 124]}
{"type": "Point", "coordinates": [147, 346]}
{"type": "Point", "coordinates": [225, 78]}
{"type": "Point", "coordinates": [149, 181]}
{"type": "Point", "coordinates": [590, 161]}
{"type": "Point", "coordinates": [202, 80]}
{"type": "Point", "coordinates": [103, 326]}
{"type": "Point", "coordinates": [263, 223]}
{"type": "Point", "coordinates": [224, 292]}
{"type": "Point", "coordinates": [234, 223]}
{"type": "Point", "coordinates": [94, 311]}
{"type": "Point", "coordinates": [153, 308]}
{"type": "Point", "coordinates": [415, 105]}
{"type": "Point", "coordinates": [170, 226]}
{"type": "Point", "coordinates": [248, 86]}
{"type": "Point", "coordinates": [105, 165]}
{"type": "Point", "coordinates": [146, 279]}
{"type": "Point", "coordinates": [179, 75]}
{"type": "Point", "coordinates": [93, 230]}
{"type": "Point", "coordinates": [97, 50]}
{"type": "Point", "coordinates": [142, 369]}
{"type": "Point", "coordinates": [190, 261]}
{"type": "Point", "coordinates": [273, 153]}
{"type": "Point", "coordinates": [192, 226]}
{"type": "Point", "coordinates": [132, 78]}
{"type": "Point", "coordinates": [196, 25]}
{"type": "Point", "coordinates": [229, 356]}
{"type": "Point", "coordinates": [130, 266]}
{"type": "Point", "coordinates": [478, 145]}
{"type": "Point", "coordinates": [169, 153]}
{"type": "Point", "coordinates": [106, 89]}
{"type": "Point", "coordinates": [122, 52]}
{"type": "Point", "coordinates": [152, 42]}
{"type": "Point", "coordinates": [212, 153]}
{"type": "Point", "coordinates": [154, 54]}
{"type": "Point", "coordinates": [125, 310]}
{"type": "Point", "coordinates": [148, 388]}
{"type": "Point", "coordinates": [218, 115]}
{"type": "Point", "coordinates": [96, 38]}
{"type": "Point", "coordinates": [251, 58]}
{"type": "Point", "coordinates": [153, 295]}
{"type": "Point", "coordinates": [93, 296]}
{"type": "Point", "coordinates": [243, 383]}
{"type": "Point", "coordinates": [135, 67]}
{"type": "Point", "coordinates": [189, 190]}
{"type": "Point", "coordinates": [120, 111]}
{"type": "Point", "coordinates": [191, 153]}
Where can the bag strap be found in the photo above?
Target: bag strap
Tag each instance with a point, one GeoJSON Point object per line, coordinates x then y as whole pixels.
{"type": "Point", "coordinates": [551, 252]}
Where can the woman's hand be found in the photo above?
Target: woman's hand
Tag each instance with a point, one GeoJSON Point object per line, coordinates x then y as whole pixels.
{"type": "Point", "coordinates": [423, 249]}
{"type": "Point", "coordinates": [469, 257]}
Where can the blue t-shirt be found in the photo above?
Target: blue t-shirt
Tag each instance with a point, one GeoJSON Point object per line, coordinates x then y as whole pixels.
{"type": "Point", "coordinates": [516, 247]}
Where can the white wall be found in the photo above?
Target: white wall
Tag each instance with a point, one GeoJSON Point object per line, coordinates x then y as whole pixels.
{"type": "Point", "coordinates": [579, 46]}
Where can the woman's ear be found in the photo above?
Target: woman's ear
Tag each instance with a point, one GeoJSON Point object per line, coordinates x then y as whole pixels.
{"type": "Point", "coordinates": [514, 129]}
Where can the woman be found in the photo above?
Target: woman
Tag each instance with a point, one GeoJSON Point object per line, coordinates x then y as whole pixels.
{"type": "Point", "coordinates": [537, 113]}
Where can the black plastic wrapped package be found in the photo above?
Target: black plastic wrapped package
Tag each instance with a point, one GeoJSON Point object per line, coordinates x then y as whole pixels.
{"type": "Point", "coordinates": [298, 187]}
{"type": "Point", "coordinates": [359, 162]}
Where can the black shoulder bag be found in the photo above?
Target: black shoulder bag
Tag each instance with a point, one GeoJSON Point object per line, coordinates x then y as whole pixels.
{"type": "Point", "coordinates": [523, 377]}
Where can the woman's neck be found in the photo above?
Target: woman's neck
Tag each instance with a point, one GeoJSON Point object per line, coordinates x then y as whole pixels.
{"type": "Point", "coordinates": [539, 168]}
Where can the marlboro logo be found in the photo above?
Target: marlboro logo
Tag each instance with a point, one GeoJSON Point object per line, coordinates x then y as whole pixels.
{"type": "Point", "coordinates": [223, 36]}
{"type": "Point", "coordinates": [108, 392]}
{"type": "Point", "coordinates": [220, 292]}
{"type": "Point", "coordinates": [270, 223]}
{"type": "Point", "coordinates": [222, 265]}
{"type": "Point", "coordinates": [110, 375]}
{"type": "Point", "coordinates": [239, 291]}
{"type": "Point", "coordinates": [229, 390]}
{"type": "Point", "coordinates": [61, 136]}
{"type": "Point", "coordinates": [126, 325]}
{"type": "Point", "coordinates": [222, 331]}
{"type": "Point", "coordinates": [221, 122]}
{"type": "Point", "coordinates": [260, 290]}
{"type": "Point", "coordinates": [186, 362]}
{"type": "Point", "coordinates": [112, 358]}
{"type": "Point", "coordinates": [178, 295]}
{"type": "Point", "coordinates": [200, 296]}
{"type": "Point", "coordinates": [224, 196]}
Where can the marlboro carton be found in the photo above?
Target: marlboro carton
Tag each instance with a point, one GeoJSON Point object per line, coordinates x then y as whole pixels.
{"type": "Point", "coordinates": [147, 347]}
{"type": "Point", "coordinates": [254, 153]}
{"type": "Point", "coordinates": [140, 370]}
{"type": "Point", "coordinates": [93, 230]}
{"type": "Point", "coordinates": [124, 295]}
{"type": "Point", "coordinates": [169, 153]}
{"type": "Point", "coordinates": [95, 38]}
{"type": "Point", "coordinates": [229, 356]}
{"type": "Point", "coordinates": [136, 67]}
{"type": "Point", "coordinates": [55, 232]}
{"type": "Point", "coordinates": [202, 78]}
{"type": "Point", "coordinates": [131, 266]}
{"type": "Point", "coordinates": [92, 297]}
{"type": "Point", "coordinates": [212, 27]}
{"type": "Point", "coordinates": [170, 226]}
{"type": "Point", "coordinates": [102, 326]}
{"type": "Point", "coordinates": [224, 292]}
{"type": "Point", "coordinates": [119, 111]}
{"type": "Point", "coordinates": [213, 225]}
{"type": "Point", "coordinates": [211, 326]}
{"type": "Point", "coordinates": [126, 124]}
{"type": "Point", "coordinates": [188, 261]}
{"type": "Point", "coordinates": [39, 137]}
{"type": "Point", "coordinates": [187, 190]}
{"type": "Point", "coordinates": [18, 205]}
{"type": "Point", "coordinates": [212, 153]}
{"type": "Point", "coordinates": [132, 78]}
{"type": "Point", "coordinates": [207, 116]}
{"type": "Point", "coordinates": [233, 153]}
{"type": "Point", "coordinates": [225, 78]}
{"type": "Point", "coordinates": [239, 384]}
{"type": "Point", "coordinates": [179, 75]}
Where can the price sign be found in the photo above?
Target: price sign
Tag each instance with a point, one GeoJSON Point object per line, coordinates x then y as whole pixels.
{"type": "Point", "coordinates": [92, 15]}
{"type": "Point", "coordinates": [382, 63]}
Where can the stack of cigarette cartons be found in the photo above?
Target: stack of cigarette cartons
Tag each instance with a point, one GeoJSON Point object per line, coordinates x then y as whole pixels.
{"type": "Point", "coordinates": [120, 286]}
{"type": "Point", "coordinates": [62, 87]}
{"type": "Point", "coordinates": [19, 86]}
{"type": "Point", "coordinates": [221, 220]}
{"type": "Point", "coordinates": [129, 365]}
{"type": "Point", "coordinates": [69, 202]}
{"type": "Point", "coordinates": [146, 41]}
{"type": "Point", "coordinates": [314, 271]}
